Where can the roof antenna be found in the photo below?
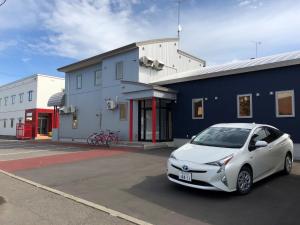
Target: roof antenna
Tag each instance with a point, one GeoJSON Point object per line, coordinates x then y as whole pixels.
{"type": "Point", "coordinates": [178, 22]}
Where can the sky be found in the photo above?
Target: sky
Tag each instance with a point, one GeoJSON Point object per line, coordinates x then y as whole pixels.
{"type": "Point", "coordinates": [40, 36]}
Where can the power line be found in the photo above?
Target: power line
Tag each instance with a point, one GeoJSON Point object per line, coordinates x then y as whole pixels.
{"type": "Point", "coordinates": [2, 2]}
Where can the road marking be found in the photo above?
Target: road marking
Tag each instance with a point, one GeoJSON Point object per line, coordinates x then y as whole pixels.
{"type": "Point", "coordinates": [17, 153]}
{"type": "Point", "coordinates": [80, 200]}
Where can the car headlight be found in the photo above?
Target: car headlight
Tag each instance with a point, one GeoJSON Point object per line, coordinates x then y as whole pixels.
{"type": "Point", "coordinates": [221, 163]}
{"type": "Point", "coordinates": [172, 156]}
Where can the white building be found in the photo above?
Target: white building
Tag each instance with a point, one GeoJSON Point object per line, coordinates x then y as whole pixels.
{"type": "Point", "coordinates": [112, 91]}
{"type": "Point", "coordinates": [28, 94]}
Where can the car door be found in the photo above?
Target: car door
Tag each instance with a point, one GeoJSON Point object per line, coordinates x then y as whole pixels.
{"type": "Point", "coordinates": [260, 157]}
{"type": "Point", "coordinates": [276, 145]}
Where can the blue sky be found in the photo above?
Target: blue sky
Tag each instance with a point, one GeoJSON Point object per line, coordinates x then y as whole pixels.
{"type": "Point", "coordinates": [40, 36]}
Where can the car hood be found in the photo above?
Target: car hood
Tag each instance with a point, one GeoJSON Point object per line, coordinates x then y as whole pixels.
{"type": "Point", "coordinates": [202, 154]}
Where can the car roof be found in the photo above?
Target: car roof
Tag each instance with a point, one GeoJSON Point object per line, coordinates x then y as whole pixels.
{"type": "Point", "coordinates": [239, 125]}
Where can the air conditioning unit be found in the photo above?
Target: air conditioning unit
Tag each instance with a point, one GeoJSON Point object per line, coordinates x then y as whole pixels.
{"type": "Point", "coordinates": [158, 65]}
{"type": "Point", "coordinates": [72, 109]}
{"type": "Point", "coordinates": [111, 104]}
{"type": "Point", "coordinates": [64, 110]}
{"type": "Point", "coordinates": [145, 61]}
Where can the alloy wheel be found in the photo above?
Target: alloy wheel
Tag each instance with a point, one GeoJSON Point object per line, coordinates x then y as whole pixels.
{"type": "Point", "coordinates": [244, 181]}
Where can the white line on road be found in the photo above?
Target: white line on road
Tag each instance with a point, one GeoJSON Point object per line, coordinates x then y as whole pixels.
{"type": "Point", "coordinates": [18, 153]}
{"type": "Point", "coordinates": [80, 200]}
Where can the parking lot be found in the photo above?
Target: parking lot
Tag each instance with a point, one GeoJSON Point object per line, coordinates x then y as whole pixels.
{"type": "Point", "coordinates": [134, 182]}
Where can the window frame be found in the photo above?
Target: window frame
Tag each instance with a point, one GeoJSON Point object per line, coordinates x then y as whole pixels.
{"type": "Point", "coordinates": [95, 75]}
{"type": "Point", "coordinates": [21, 97]}
{"type": "Point", "coordinates": [193, 108]}
{"type": "Point", "coordinates": [77, 76]}
{"type": "Point", "coordinates": [12, 122]}
{"type": "Point", "coordinates": [30, 96]}
{"type": "Point", "coordinates": [126, 111]}
{"type": "Point", "coordinates": [238, 106]}
{"type": "Point", "coordinates": [4, 123]}
{"type": "Point", "coordinates": [13, 99]}
{"type": "Point", "coordinates": [5, 100]}
{"type": "Point", "coordinates": [277, 106]}
{"type": "Point", "coordinates": [122, 75]}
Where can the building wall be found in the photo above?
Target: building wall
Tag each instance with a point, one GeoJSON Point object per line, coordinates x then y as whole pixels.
{"type": "Point", "coordinates": [90, 99]}
{"type": "Point", "coordinates": [43, 87]}
{"type": "Point", "coordinates": [224, 109]}
{"type": "Point", "coordinates": [46, 87]}
{"type": "Point", "coordinates": [167, 53]}
{"type": "Point", "coordinates": [16, 111]}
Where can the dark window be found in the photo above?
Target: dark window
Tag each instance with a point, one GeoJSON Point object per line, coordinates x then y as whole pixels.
{"type": "Point", "coordinates": [12, 123]}
{"type": "Point", "coordinates": [30, 96]}
{"type": "Point", "coordinates": [272, 134]}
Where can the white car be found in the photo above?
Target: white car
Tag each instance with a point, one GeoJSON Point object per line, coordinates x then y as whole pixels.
{"type": "Point", "coordinates": [231, 157]}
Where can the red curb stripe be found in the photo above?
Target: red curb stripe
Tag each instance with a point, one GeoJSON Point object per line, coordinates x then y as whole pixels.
{"type": "Point", "coordinates": [38, 162]}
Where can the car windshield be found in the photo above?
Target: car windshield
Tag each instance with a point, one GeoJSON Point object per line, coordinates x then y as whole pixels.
{"type": "Point", "coordinates": [225, 137]}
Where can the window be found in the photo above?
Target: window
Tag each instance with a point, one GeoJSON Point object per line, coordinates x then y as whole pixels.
{"type": "Point", "coordinates": [4, 123]}
{"type": "Point", "coordinates": [119, 71]}
{"type": "Point", "coordinates": [30, 96]}
{"type": "Point", "coordinates": [285, 103]}
{"type": "Point", "coordinates": [13, 99]}
{"type": "Point", "coordinates": [222, 137]}
{"type": "Point", "coordinates": [198, 108]}
{"type": "Point", "coordinates": [12, 123]}
{"type": "Point", "coordinates": [123, 111]}
{"type": "Point", "coordinates": [5, 100]}
{"type": "Point", "coordinates": [244, 106]}
{"type": "Point", "coordinates": [272, 134]}
{"type": "Point", "coordinates": [74, 121]}
{"type": "Point", "coordinates": [79, 81]}
{"type": "Point", "coordinates": [98, 77]}
{"type": "Point", "coordinates": [0, 101]}
{"type": "Point", "coordinates": [21, 97]}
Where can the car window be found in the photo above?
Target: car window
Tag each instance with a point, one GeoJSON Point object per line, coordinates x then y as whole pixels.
{"type": "Point", "coordinates": [225, 137]}
{"type": "Point", "coordinates": [259, 135]}
{"type": "Point", "coordinates": [272, 134]}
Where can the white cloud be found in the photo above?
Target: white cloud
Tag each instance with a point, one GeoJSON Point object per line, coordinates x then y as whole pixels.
{"type": "Point", "coordinates": [6, 44]}
{"type": "Point", "coordinates": [82, 28]}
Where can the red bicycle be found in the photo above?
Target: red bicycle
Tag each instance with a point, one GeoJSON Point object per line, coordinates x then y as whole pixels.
{"type": "Point", "coordinates": [112, 138]}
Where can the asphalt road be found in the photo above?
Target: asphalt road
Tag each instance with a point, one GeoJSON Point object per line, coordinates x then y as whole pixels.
{"type": "Point", "coordinates": [135, 183]}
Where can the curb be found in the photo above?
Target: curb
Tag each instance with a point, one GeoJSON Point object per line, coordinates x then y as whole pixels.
{"type": "Point", "coordinates": [79, 200]}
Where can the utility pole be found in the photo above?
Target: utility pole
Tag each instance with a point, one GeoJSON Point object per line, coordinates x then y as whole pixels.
{"type": "Point", "coordinates": [257, 43]}
{"type": "Point", "coordinates": [178, 22]}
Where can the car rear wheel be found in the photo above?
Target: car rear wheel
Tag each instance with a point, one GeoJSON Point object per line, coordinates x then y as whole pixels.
{"type": "Point", "coordinates": [288, 163]}
{"type": "Point", "coordinates": [244, 181]}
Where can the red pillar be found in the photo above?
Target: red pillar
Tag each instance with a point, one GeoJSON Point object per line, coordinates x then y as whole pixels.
{"type": "Point", "coordinates": [131, 120]}
{"type": "Point", "coordinates": [153, 120]}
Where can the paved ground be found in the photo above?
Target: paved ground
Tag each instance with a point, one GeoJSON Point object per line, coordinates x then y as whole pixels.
{"type": "Point", "coordinates": [134, 182]}
{"type": "Point", "coordinates": [22, 204]}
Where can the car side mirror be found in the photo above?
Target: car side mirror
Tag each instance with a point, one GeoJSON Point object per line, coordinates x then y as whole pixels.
{"type": "Point", "coordinates": [193, 137]}
{"type": "Point", "coordinates": [261, 144]}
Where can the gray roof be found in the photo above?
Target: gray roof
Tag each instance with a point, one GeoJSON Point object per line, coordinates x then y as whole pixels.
{"type": "Point", "coordinates": [263, 63]}
{"type": "Point", "coordinates": [98, 58]}
{"type": "Point", "coordinates": [58, 99]}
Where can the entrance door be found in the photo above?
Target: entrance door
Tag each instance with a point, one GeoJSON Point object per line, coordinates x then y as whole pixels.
{"type": "Point", "coordinates": [43, 125]}
{"type": "Point", "coordinates": [163, 120]}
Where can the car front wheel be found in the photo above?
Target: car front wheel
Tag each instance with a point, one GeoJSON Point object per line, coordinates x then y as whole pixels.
{"type": "Point", "coordinates": [244, 181]}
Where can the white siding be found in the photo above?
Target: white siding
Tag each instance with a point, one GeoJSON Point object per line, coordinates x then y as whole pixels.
{"type": "Point", "coordinates": [167, 53]}
{"type": "Point", "coordinates": [42, 88]}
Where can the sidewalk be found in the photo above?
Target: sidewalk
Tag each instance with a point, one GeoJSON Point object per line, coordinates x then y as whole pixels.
{"type": "Point", "coordinates": [23, 204]}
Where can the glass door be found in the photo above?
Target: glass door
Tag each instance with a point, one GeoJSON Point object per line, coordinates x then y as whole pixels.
{"type": "Point", "coordinates": [163, 120]}
{"type": "Point", "coordinates": [43, 125]}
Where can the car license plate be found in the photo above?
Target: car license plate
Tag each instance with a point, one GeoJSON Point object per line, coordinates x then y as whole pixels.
{"type": "Point", "coordinates": [185, 176]}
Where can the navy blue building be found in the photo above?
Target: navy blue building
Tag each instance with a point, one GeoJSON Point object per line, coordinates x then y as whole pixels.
{"type": "Point", "coordinates": [265, 90]}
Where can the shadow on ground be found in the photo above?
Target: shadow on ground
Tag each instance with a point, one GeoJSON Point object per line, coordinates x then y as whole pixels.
{"type": "Point", "coordinates": [273, 201]}
{"type": "Point", "coordinates": [2, 200]}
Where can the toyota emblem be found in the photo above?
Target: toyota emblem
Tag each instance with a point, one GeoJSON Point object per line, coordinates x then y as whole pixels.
{"type": "Point", "coordinates": [185, 168]}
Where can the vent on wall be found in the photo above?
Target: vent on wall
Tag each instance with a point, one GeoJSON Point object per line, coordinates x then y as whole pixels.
{"type": "Point", "coordinates": [147, 62]}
